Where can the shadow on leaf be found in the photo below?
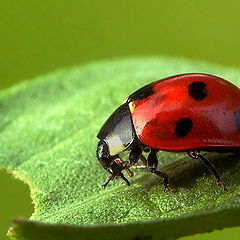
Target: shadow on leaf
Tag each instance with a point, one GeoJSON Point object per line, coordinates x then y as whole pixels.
{"type": "Point", "coordinates": [184, 172]}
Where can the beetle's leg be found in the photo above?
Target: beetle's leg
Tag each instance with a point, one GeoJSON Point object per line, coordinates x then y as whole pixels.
{"type": "Point", "coordinates": [196, 155]}
{"type": "Point", "coordinates": [144, 161]}
{"type": "Point", "coordinates": [133, 158]}
{"type": "Point", "coordinates": [134, 155]}
{"type": "Point", "coordinates": [143, 164]}
{"type": "Point", "coordinates": [142, 158]}
{"type": "Point", "coordinates": [111, 178]}
{"type": "Point", "coordinates": [116, 171]}
{"type": "Point", "coordinates": [152, 166]}
{"type": "Point", "coordinates": [124, 179]}
{"type": "Point", "coordinates": [130, 172]}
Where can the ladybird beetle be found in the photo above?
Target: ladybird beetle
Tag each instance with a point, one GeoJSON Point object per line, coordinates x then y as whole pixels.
{"type": "Point", "coordinates": [183, 113]}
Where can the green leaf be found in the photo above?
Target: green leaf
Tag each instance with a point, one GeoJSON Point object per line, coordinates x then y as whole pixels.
{"type": "Point", "coordinates": [48, 139]}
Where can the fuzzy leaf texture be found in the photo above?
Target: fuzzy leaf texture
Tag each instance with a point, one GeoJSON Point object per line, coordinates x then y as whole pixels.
{"type": "Point", "coordinates": [48, 139]}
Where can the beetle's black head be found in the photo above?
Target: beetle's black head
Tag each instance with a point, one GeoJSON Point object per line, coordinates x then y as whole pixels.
{"type": "Point", "coordinates": [103, 154]}
{"type": "Point", "coordinates": [112, 164]}
{"type": "Point", "coordinates": [116, 135]}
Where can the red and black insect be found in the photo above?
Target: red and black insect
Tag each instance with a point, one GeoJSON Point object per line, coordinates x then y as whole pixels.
{"type": "Point", "coordinates": [184, 113]}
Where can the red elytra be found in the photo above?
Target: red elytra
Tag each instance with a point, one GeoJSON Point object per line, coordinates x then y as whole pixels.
{"type": "Point", "coordinates": [213, 123]}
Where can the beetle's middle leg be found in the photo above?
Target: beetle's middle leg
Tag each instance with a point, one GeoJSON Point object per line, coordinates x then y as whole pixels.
{"type": "Point", "coordinates": [152, 163]}
{"type": "Point", "coordinates": [134, 156]}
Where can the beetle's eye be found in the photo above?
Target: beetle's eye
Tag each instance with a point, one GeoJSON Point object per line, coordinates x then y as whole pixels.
{"type": "Point", "coordinates": [103, 154]}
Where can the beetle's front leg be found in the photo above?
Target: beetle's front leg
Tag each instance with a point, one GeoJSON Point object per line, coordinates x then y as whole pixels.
{"type": "Point", "coordinates": [115, 169]}
{"type": "Point", "coordinates": [152, 166]}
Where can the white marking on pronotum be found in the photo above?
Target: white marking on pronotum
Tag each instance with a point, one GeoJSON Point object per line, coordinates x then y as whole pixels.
{"type": "Point", "coordinates": [115, 145]}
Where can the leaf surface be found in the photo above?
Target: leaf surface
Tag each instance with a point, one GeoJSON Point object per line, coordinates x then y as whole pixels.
{"type": "Point", "coordinates": [48, 139]}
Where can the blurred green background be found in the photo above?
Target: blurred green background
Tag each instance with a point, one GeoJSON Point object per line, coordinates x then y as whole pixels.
{"type": "Point", "coordinates": [37, 37]}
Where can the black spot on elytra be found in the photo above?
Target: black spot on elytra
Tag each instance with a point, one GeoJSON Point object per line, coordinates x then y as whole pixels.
{"type": "Point", "coordinates": [236, 115]}
{"type": "Point", "coordinates": [197, 90]}
{"type": "Point", "coordinates": [183, 127]}
{"type": "Point", "coordinates": [141, 93]}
